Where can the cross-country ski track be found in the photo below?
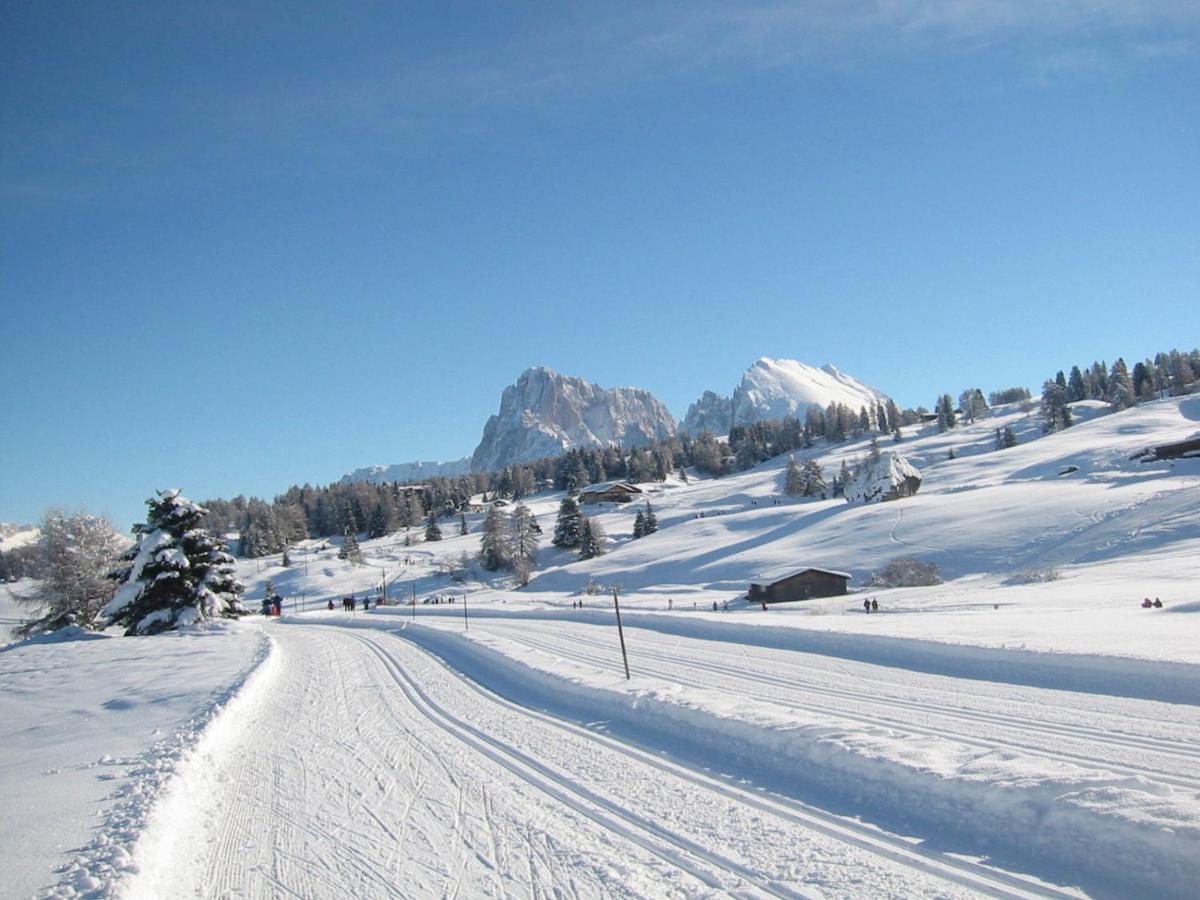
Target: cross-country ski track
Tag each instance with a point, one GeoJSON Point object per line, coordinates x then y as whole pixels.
{"type": "Point", "coordinates": [364, 764]}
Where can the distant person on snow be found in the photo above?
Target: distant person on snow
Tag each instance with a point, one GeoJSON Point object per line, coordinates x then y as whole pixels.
{"type": "Point", "coordinates": [867, 607]}
{"type": "Point", "coordinates": [366, 603]}
{"type": "Point", "coordinates": [266, 606]}
{"type": "Point", "coordinates": [1146, 604]}
{"type": "Point", "coordinates": [278, 604]}
{"type": "Point", "coordinates": [331, 604]}
{"type": "Point", "coordinates": [874, 605]}
{"type": "Point", "coordinates": [714, 606]}
{"type": "Point", "coordinates": [1157, 603]}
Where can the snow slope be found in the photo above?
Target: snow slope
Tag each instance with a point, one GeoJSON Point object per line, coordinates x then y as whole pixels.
{"type": "Point", "coordinates": [91, 729]}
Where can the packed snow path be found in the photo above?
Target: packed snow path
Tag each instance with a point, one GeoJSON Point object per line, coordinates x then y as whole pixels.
{"type": "Point", "coordinates": [368, 768]}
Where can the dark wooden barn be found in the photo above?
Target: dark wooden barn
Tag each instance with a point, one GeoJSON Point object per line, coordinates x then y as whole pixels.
{"type": "Point", "coordinates": [798, 584]}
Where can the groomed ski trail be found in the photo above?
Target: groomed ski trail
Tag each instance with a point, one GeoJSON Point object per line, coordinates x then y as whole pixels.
{"type": "Point", "coordinates": [369, 769]}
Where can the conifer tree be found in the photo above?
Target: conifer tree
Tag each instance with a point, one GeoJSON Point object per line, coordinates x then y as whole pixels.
{"type": "Point", "coordinates": [286, 559]}
{"type": "Point", "coordinates": [566, 527]}
{"type": "Point", "coordinates": [651, 520]}
{"type": "Point", "coordinates": [793, 482]}
{"type": "Point", "coordinates": [1055, 412]}
{"type": "Point", "coordinates": [433, 531]}
{"type": "Point", "coordinates": [1120, 387]}
{"type": "Point", "coordinates": [176, 574]}
{"type": "Point", "coordinates": [494, 551]}
{"type": "Point", "coordinates": [591, 538]}
{"type": "Point", "coordinates": [813, 479]}
{"type": "Point", "coordinates": [639, 525]}
{"type": "Point", "coordinates": [350, 549]}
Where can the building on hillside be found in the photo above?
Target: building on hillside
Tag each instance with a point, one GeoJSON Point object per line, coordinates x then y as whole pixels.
{"type": "Point", "coordinates": [611, 492]}
{"type": "Point", "coordinates": [781, 585]}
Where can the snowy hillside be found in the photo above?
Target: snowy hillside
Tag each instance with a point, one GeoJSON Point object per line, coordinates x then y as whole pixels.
{"type": "Point", "coordinates": [13, 536]}
{"type": "Point", "coordinates": [775, 388]}
{"type": "Point", "coordinates": [1024, 729]}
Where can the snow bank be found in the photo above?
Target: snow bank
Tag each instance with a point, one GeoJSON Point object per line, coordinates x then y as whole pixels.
{"type": "Point", "coordinates": [1124, 831]}
{"type": "Point", "coordinates": [181, 818]}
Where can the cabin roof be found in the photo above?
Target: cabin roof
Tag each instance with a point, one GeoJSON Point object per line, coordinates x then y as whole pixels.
{"type": "Point", "coordinates": [779, 573]}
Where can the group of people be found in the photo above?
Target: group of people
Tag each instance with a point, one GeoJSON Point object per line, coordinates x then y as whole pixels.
{"type": "Point", "coordinates": [870, 605]}
{"type": "Point", "coordinates": [350, 603]}
{"type": "Point", "coordinates": [272, 606]}
{"type": "Point", "coordinates": [1146, 604]}
{"type": "Point", "coordinates": [438, 598]}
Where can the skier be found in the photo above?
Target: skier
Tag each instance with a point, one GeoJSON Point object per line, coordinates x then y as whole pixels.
{"type": "Point", "coordinates": [366, 603]}
{"type": "Point", "coordinates": [278, 606]}
{"type": "Point", "coordinates": [867, 606]}
{"type": "Point", "coordinates": [1146, 604]}
{"type": "Point", "coordinates": [266, 606]}
{"type": "Point", "coordinates": [331, 604]}
{"type": "Point", "coordinates": [714, 606]}
{"type": "Point", "coordinates": [725, 606]}
{"type": "Point", "coordinates": [1157, 603]}
{"type": "Point", "coordinates": [874, 605]}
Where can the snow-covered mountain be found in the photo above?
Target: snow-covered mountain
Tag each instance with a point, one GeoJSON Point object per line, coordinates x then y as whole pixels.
{"type": "Point", "coordinates": [775, 388]}
{"type": "Point", "coordinates": [546, 413]}
{"type": "Point", "coordinates": [410, 471]}
{"type": "Point", "coordinates": [13, 535]}
{"type": "Point", "coordinates": [712, 413]}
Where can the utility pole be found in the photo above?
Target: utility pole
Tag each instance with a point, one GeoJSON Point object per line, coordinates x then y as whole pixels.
{"type": "Point", "coordinates": [621, 633]}
{"type": "Point", "coordinates": [466, 623]}
{"type": "Point", "coordinates": [414, 603]}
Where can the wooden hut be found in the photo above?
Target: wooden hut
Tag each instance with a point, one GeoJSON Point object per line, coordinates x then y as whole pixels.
{"type": "Point", "coordinates": [613, 492]}
{"type": "Point", "coordinates": [781, 585]}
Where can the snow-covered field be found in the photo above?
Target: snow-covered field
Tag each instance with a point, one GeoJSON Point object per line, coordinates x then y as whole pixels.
{"type": "Point", "coordinates": [993, 735]}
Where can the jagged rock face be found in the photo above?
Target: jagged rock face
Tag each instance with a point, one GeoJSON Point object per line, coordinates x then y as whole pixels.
{"type": "Point", "coordinates": [776, 388]}
{"type": "Point", "coordinates": [712, 413]}
{"type": "Point", "coordinates": [412, 471]}
{"type": "Point", "coordinates": [545, 414]}
{"type": "Point", "coordinates": [888, 478]}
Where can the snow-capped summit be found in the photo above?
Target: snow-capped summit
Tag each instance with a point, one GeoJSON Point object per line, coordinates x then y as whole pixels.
{"type": "Point", "coordinates": [775, 388]}
{"type": "Point", "coordinates": [545, 414]}
{"type": "Point", "coordinates": [712, 413]}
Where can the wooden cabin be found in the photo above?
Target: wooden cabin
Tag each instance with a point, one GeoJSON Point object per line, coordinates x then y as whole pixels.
{"type": "Point", "coordinates": [613, 492]}
{"type": "Point", "coordinates": [780, 586]}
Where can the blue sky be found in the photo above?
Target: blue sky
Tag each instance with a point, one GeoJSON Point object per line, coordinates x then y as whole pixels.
{"type": "Point", "coordinates": [249, 245]}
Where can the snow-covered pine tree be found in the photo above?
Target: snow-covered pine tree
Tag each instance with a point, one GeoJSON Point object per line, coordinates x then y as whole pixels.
{"type": "Point", "coordinates": [176, 574]}
{"type": "Point", "coordinates": [793, 480]}
{"type": "Point", "coordinates": [1120, 387]}
{"type": "Point", "coordinates": [350, 549]}
{"type": "Point", "coordinates": [566, 527]}
{"type": "Point", "coordinates": [1055, 411]}
{"type": "Point", "coordinates": [433, 531]}
{"type": "Point", "coordinates": [286, 559]}
{"type": "Point", "coordinates": [494, 551]}
{"type": "Point", "coordinates": [639, 525]}
{"type": "Point", "coordinates": [813, 480]}
{"type": "Point", "coordinates": [591, 538]}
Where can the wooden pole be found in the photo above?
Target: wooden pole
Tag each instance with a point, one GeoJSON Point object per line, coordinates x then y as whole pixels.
{"type": "Point", "coordinates": [466, 622]}
{"type": "Point", "coordinates": [621, 633]}
{"type": "Point", "coordinates": [414, 587]}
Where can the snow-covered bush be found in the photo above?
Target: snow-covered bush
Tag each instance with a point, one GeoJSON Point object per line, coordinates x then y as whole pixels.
{"type": "Point", "coordinates": [176, 574]}
{"type": "Point", "coordinates": [904, 571]}
{"type": "Point", "coordinates": [886, 476]}
{"type": "Point", "coordinates": [1035, 576]}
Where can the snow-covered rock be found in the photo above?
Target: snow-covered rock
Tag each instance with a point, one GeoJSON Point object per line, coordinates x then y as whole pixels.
{"type": "Point", "coordinates": [889, 477]}
{"type": "Point", "coordinates": [775, 388]}
{"type": "Point", "coordinates": [410, 471]}
{"type": "Point", "coordinates": [712, 413]}
{"type": "Point", "coordinates": [545, 414]}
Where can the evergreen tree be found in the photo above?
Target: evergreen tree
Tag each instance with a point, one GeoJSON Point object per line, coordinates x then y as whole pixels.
{"type": "Point", "coordinates": [945, 413]}
{"type": "Point", "coordinates": [793, 482]}
{"type": "Point", "coordinates": [433, 531]}
{"type": "Point", "coordinates": [1076, 389]}
{"type": "Point", "coordinates": [814, 480]}
{"type": "Point", "coordinates": [591, 538]}
{"type": "Point", "coordinates": [1120, 387]}
{"type": "Point", "coordinates": [176, 574]}
{"type": "Point", "coordinates": [566, 527]}
{"type": "Point", "coordinates": [1055, 412]}
{"type": "Point", "coordinates": [494, 550]}
{"type": "Point", "coordinates": [1008, 438]}
{"type": "Point", "coordinates": [651, 520]}
{"type": "Point", "coordinates": [639, 525]}
{"type": "Point", "coordinates": [350, 549]}
{"type": "Point", "coordinates": [286, 559]}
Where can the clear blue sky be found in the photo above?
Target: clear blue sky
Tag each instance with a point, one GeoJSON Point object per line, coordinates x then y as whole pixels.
{"type": "Point", "coordinates": [249, 245]}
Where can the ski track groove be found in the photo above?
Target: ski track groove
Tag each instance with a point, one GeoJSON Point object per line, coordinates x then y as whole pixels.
{"type": "Point", "coordinates": [597, 655]}
{"type": "Point", "coordinates": [966, 874]}
{"type": "Point", "coordinates": [648, 835]}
